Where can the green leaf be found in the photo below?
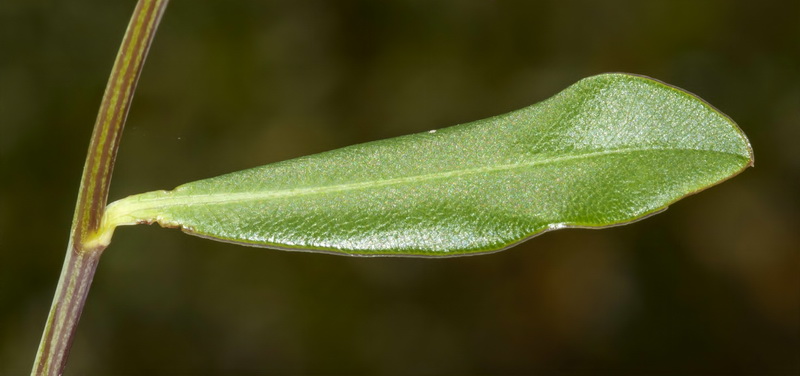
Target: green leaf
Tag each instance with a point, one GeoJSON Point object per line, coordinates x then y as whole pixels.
{"type": "Point", "coordinates": [608, 150]}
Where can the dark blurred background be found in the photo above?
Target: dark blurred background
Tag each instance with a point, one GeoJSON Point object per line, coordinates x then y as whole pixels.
{"type": "Point", "coordinates": [712, 286]}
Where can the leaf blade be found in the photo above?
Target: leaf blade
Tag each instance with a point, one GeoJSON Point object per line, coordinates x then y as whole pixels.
{"type": "Point", "coordinates": [608, 150]}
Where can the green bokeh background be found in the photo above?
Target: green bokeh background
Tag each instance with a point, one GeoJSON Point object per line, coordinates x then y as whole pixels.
{"type": "Point", "coordinates": [712, 286]}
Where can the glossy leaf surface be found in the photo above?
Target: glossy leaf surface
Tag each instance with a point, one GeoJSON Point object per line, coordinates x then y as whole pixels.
{"type": "Point", "coordinates": [608, 150]}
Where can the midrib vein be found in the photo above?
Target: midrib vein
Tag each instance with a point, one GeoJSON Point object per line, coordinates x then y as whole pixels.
{"type": "Point", "coordinates": [172, 199]}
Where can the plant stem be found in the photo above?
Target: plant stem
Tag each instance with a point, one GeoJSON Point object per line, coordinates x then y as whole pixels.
{"type": "Point", "coordinates": [83, 254]}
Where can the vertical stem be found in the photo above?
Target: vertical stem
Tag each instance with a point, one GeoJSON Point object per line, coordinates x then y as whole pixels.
{"type": "Point", "coordinates": [82, 254]}
{"type": "Point", "coordinates": [73, 287]}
